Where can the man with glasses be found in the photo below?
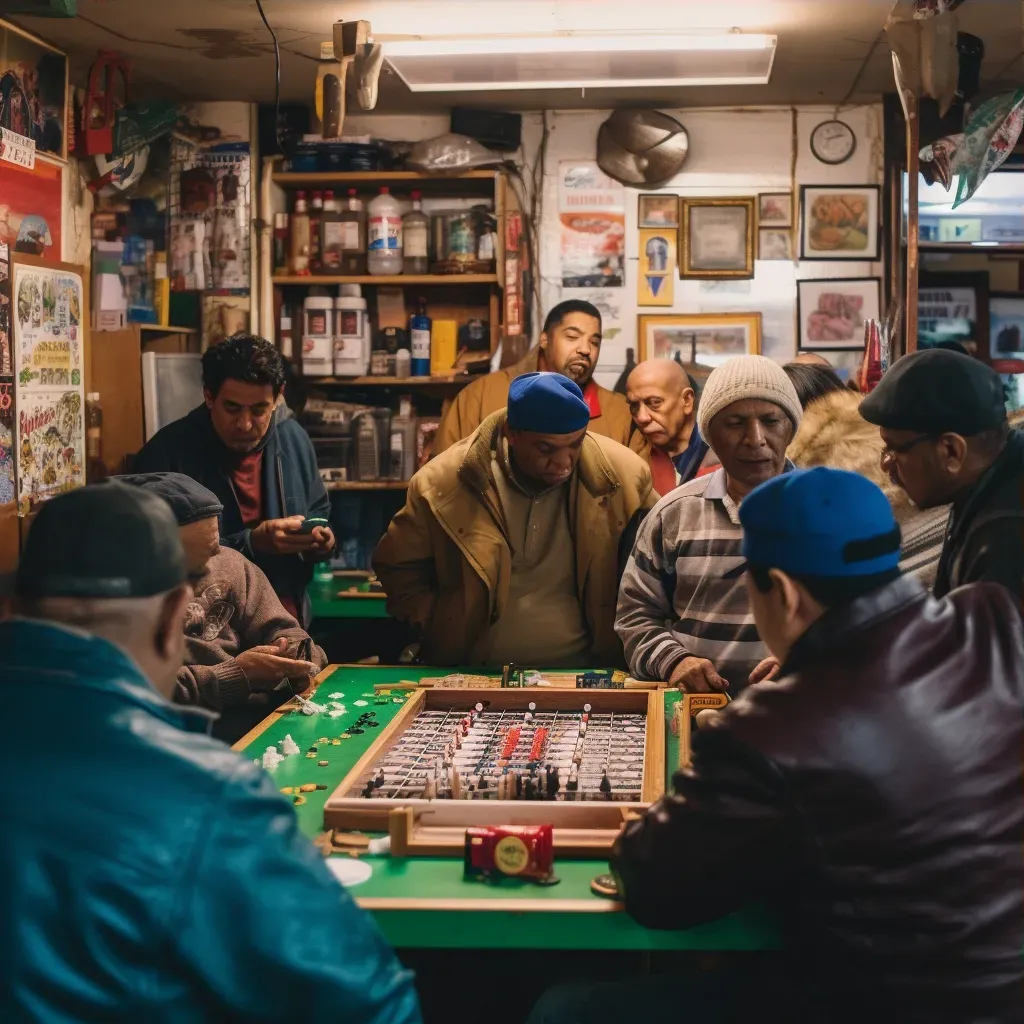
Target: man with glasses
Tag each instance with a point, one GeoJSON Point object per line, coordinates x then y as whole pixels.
{"type": "Point", "coordinates": [943, 422]}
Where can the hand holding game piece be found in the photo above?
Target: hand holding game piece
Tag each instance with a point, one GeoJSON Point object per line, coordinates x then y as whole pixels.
{"type": "Point", "coordinates": [697, 675]}
{"type": "Point", "coordinates": [765, 670]}
{"type": "Point", "coordinates": [265, 666]}
{"type": "Point", "coordinates": [281, 536]}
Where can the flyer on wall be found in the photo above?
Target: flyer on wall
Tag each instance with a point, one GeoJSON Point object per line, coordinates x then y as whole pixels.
{"type": "Point", "coordinates": [592, 215]}
{"type": "Point", "coordinates": [50, 403]}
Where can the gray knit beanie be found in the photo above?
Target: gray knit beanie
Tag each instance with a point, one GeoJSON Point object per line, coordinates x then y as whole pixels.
{"type": "Point", "coordinates": [745, 377]}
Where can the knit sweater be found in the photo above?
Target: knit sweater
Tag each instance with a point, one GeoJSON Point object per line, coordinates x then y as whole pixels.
{"type": "Point", "coordinates": [234, 608]}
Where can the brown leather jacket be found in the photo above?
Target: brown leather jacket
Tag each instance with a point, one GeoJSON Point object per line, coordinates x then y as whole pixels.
{"type": "Point", "coordinates": [875, 794]}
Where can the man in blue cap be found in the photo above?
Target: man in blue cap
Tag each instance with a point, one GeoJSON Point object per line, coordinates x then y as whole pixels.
{"type": "Point", "coordinates": [506, 549]}
{"type": "Point", "coordinates": [871, 794]}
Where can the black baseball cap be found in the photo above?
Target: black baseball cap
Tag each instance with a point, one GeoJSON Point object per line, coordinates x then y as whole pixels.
{"type": "Point", "coordinates": [102, 541]}
{"type": "Point", "coordinates": [937, 391]}
{"type": "Point", "coordinates": [190, 501]}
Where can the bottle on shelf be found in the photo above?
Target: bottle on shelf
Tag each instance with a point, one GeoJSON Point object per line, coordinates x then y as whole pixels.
{"type": "Point", "coordinates": [316, 212]}
{"type": "Point", "coordinates": [415, 235]}
{"type": "Point", "coordinates": [351, 333]}
{"type": "Point", "coordinates": [299, 223]}
{"type": "Point", "coordinates": [95, 469]}
{"type": "Point", "coordinates": [384, 234]}
{"type": "Point", "coordinates": [285, 337]}
{"type": "Point", "coordinates": [281, 243]}
{"type": "Point", "coordinates": [331, 225]}
{"type": "Point", "coordinates": [353, 235]}
{"type": "Point", "coordinates": [317, 336]}
{"type": "Point", "coordinates": [419, 335]}
{"type": "Point", "coordinates": [403, 442]}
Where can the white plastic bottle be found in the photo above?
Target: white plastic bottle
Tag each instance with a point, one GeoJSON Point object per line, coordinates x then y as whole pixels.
{"type": "Point", "coordinates": [384, 234]}
{"type": "Point", "coordinates": [351, 333]}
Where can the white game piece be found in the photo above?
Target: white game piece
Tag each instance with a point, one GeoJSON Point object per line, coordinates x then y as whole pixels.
{"type": "Point", "coordinates": [336, 696]}
{"type": "Point", "coordinates": [289, 746]}
{"type": "Point", "coordinates": [335, 712]}
{"type": "Point", "coordinates": [532, 706]}
{"type": "Point", "coordinates": [379, 847]}
{"type": "Point", "coordinates": [271, 759]}
{"type": "Point", "coordinates": [349, 871]}
{"type": "Point", "coordinates": [586, 708]}
{"type": "Point", "coordinates": [360, 703]}
{"type": "Point", "coordinates": [479, 707]}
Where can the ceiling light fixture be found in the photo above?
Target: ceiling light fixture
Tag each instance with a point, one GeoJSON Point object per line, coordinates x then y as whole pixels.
{"type": "Point", "coordinates": [591, 61]}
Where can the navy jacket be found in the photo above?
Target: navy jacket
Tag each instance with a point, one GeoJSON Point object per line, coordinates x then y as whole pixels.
{"type": "Point", "coordinates": [291, 486]}
{"type": "Point", "coordinates": [150, 873]}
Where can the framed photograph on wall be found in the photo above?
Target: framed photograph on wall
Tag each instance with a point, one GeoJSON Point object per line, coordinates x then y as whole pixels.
{"type": "Point", "coordinates": [774, 244]}
{"type": "Point", "coordinates": [705, 339]}
{"type": "Point", "coordinates": [775, 210]}
{"type": "Point", "coordinates": [831, 311]}
{"type": "Point", "coordinates": [657, 211]}
{"type": "Point", "coordinates": [716, 238]}
{"type": "Point", "coordinates": [839, 222]}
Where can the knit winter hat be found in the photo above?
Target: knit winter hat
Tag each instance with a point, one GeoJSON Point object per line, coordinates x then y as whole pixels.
{"type": "Point", "coordinates": [746, 377]}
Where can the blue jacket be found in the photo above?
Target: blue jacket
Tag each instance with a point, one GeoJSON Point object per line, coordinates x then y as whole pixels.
{"type": "Point", "coordinates": [291, 486]}
{"type": "Point", "coordinates": [149, 873]}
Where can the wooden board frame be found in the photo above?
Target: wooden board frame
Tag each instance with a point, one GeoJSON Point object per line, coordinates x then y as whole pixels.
{"type": "Point", "coordinates": [421, 827]}
{"type": "Point", "coordinates": [690, 704]}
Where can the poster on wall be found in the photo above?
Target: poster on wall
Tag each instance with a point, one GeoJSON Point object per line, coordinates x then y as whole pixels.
{"type": "Point", "coordinates": [6, 366]}
{"type": "Point", "coordinates": [30, 208]}
{"type": "Point", "coordinates": [6, 443]}
{"type": "Point", "coordinates": [33, 90]}
{"type": "Point", "coordinates": [592, 217]}
{"type": "Point", "coordinates": [48, 356]}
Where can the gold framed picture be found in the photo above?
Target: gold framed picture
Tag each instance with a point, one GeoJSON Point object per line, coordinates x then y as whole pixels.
{"type": "Point", "coordinates": [698, 339]}
{"type": "Point", "coordinates": [716, 237]}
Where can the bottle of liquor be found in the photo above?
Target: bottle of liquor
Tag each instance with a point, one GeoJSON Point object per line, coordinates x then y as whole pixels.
{"type": "Point", "coordinates": [95, 469]}
{"type": "Point", "coordinates": [419, 336]}
{"type": "Point", "coordinates": [415, 238]}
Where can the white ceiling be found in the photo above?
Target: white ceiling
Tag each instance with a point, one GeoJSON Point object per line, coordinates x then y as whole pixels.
{"type": "Point", "coordinates": [219, 49]}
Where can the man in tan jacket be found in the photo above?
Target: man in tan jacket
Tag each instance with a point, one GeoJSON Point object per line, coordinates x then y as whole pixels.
{"type": "Point", "coordinates": [507, 547]}
{"type": "Point", "coordinates": [569, 344]}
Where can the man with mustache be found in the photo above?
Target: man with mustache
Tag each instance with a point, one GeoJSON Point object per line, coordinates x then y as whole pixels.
{"type": "Point", "coordinates": [683, 614]}
{"type": "Point", "coordinates": [506, 549]}
{"type": "Point", "coordinates": [570, 344]}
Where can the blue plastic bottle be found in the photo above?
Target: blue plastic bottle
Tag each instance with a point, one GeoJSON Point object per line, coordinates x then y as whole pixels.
{"type": "Point", "coordinates": [419, 336]}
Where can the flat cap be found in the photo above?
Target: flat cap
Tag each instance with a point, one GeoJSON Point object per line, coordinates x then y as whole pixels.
{"type": "Point", "coordinates": [190, 501]}
{"type": "Point", "coordinates": [937, 391]}
{"type": "Point", "coordinates": [546, 403]}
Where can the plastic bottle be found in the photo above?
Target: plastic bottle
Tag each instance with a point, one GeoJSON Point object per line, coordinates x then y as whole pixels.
{"type": "Point", "coordinates": [316, 212]}
{"type": "Point", "coordinates": [419, 335]}
{"type": "Point", "coordinates": [299, 224]}
{"type": "Point", "coordinates": [285, 337]}
{"type": "Point", "coordinates": [403, 442]}
{"type": "Point", "coordinates": [331, 228]}
{"type": "Point", "coordinates": [351, 333]}
{"type": "Point", "coordinates": [95, 467]}
{"type": "Point", "coordinates": [317, 336]}
{"type": "Point", "coordinates": [415, 233]}
{"type": "Point", "coordinates": [353, 235]}
{"type": "Point", "coordinates": [384, 234]}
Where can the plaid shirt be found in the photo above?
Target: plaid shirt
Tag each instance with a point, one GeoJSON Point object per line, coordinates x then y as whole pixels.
{"type": "Point", "coordinates": [683, 593]}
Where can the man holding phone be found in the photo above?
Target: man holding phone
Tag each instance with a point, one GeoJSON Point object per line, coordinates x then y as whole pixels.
{"type": "Point", "coordinates": [261, 466]}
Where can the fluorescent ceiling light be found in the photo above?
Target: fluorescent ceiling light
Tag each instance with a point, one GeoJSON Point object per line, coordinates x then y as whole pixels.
{"type": "Point", "coordinates": [582, 61]}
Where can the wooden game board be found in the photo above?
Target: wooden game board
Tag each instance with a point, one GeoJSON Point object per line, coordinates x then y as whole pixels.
{"type": "Point", "coordinates": [619, 771]}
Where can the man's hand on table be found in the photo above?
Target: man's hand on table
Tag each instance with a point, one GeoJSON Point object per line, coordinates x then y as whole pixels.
{"type": "Point", "coordinates": [697, 675]}
{"type": "Point", "coordinates": [767, 669]}
{"type": "Point", "coordinates": [267, 665]}
{"type": "Point", "coordinates": [283, 537]}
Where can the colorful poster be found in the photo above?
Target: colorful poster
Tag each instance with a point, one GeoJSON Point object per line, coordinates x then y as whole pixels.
{"type": "Point", "coordinates": [48, 356]}
{"type": "Point", "coordinates": [592, 213]}
{"type": "Point", "coordinates": [30, 208]}
{"type": "Point", "coordinates": [6, 366]}
{"type": "Point", "coordinates": [6, 443]}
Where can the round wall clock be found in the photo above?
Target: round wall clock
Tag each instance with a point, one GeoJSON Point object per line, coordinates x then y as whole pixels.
{"type": "Point", "coordinates": [833, 142]}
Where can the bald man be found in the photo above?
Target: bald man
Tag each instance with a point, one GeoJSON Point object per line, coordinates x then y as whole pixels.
{"type": "Point", "coordinates": [664, 408]}
{"type": "Point", "coordinates": [811, 358]}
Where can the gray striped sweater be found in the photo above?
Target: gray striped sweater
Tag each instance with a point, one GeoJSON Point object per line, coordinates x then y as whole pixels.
{"type": "Point", "coordinates": [683, 591]}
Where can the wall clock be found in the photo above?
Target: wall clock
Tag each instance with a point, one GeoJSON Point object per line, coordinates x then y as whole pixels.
{"type": "Point", "coordinates": [833, 142]}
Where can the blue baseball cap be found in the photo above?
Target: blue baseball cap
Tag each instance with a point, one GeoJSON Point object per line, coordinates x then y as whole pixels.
{"type": "Point", "coordinates": [546, 403]}
{"type": "Point", "coordinates": [820, 522]}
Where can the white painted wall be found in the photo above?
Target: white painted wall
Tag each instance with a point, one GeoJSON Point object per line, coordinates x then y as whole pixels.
{"type": "Point", "coordinates": [732, 153]}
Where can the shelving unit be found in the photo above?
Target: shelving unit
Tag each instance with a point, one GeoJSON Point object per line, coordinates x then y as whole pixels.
{"type": "Point", "coordinates": [410, 280]}
{"type": "Point", "coordinates": [459, 381]}
{"type": "Point", "coordinates": [367, 485]}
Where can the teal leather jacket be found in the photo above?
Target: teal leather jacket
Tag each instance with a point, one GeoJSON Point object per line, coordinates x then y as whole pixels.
{"type": "Point", "coordinates": [149, 873]}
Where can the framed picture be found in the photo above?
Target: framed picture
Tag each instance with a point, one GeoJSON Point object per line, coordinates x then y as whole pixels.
{"type": "Point", "coordinates": [716, 238]}
{"type": "Point", "coordinates": [839, 222]}
{"type": "Point", "coordinates": [954, 307]}
{"type": "Point", "coordinates": [775, 210]}
{"type": "Point", "coordinates": [33, 90]}
{"type": "Point", "coordinates": [657, 211]}
{"type": "Point", "coordinates": [774, 244]}
{"type": "Point", "coordinates": [1006, 325]}
{"type": "Point", "coordinates": [831, 312]}
{"type": "Point", "coordinates": [698, 339]}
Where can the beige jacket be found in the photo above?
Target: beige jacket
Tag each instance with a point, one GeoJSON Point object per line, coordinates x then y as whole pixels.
{"type": "Point", "coordinates": [445, 561]}
{"type": "Point", "coordinates": [478, 400]}
{"type": "Point", "coordinates": [833, 433]}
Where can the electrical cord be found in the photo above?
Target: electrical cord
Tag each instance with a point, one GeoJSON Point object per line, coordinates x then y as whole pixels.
{"type": "Point", "coordinates": [277, 77]}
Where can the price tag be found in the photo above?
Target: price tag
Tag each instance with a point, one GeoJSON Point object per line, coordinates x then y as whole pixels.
{"type": "Point", "coordinates": [17, 149]}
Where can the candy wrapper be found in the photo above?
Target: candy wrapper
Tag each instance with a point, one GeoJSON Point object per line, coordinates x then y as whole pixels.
{"type": "Point", "coordinates": [925, 9]}
{"type": "Point", "coordinates": [989, 138]}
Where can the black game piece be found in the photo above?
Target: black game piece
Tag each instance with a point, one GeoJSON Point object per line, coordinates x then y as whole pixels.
{"type": "Point", "coordinates": [368, 789]}
{"type": "Point", "coordinates": [519, 785]}
{"type": "Point", "coordinates": [553, 783]}
{"type": "Point", "coordinates": [355, 732]}
{"type": "Point", "coordinates": [606, 786]}
{"type": "Point", "coordinates": [531, 788]}
{"type": "Point", "coordinates": [312, 750]}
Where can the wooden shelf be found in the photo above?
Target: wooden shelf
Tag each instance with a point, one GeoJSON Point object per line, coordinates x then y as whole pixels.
{"type": "Point", "coordinates": [399, 279]}
{"type": "Point", "coordinates": [470, 181]}
{"type": "Point", "coordinates": [163, 329]}
{"type": "Point", "coordinates": [397, 382]}
{"type": "Point", "coordinates": [367, 485]}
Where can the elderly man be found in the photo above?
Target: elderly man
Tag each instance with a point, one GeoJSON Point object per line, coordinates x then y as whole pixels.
{"type": "Point", "coordinates": [189, 893]}
{"type": "Point", "coordinates": [683, 613]}
{"type": "Point", "coordinates": [506, 550]}
{"type": "Point", "coordinates": [244, 654]}
{"type": "Point", "coordinates": [947, 442]}
{"type": "Point", "coordinates": [872, 794]}
{"type": "Point", "coordinates": [570, 344]}
{"type": "Point", "coordinates": [663, 405]}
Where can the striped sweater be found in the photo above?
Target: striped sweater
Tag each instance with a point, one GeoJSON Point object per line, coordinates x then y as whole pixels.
{"type": "Point", "coordinates": [683, 591]}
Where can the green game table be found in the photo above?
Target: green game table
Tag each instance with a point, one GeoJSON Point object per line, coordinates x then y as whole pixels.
{"type": "Point", "coordinates": [423, 902]}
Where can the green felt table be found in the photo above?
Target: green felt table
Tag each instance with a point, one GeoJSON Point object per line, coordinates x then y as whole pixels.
{"type": "Point", "coordinates": [328, 602]}
{"type": "Point", "coordinates": [424, 902]}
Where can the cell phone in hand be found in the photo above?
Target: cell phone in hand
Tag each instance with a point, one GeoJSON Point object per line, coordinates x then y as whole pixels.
{"type": "Point", "coordinates": [309, 525]}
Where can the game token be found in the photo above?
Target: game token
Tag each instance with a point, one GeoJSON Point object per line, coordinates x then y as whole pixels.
{"type": "Point", "coordinates": [397, 700]}
{"type": "Point", "coordinates": [323, 739]}
{"type": "Point", "coordinates": [307, 787]}
{"type": "Point", "coordinates": [336, 696]}
{"type": "Point", "coordinates": [310, 755]}
{"type": "Point", "coordinates": [605, 885]}
{"type": "Point", "coordinates": [323, 764]}
{"type": "Point", "coordinates": [298, 800]}
{"type": "Point", "coordinates": [360, 703]}
{"type": "Point", "coordinates": [335, 743]}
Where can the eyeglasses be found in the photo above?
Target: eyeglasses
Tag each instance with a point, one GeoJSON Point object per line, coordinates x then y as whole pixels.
{"type": "Point", "coordinates": [901, 449]}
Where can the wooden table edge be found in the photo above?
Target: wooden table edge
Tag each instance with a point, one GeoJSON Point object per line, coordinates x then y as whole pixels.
{"type": "Point", "coordinates": [278, 713]}
{"type": "Point", "coordinates": [513, 905]}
